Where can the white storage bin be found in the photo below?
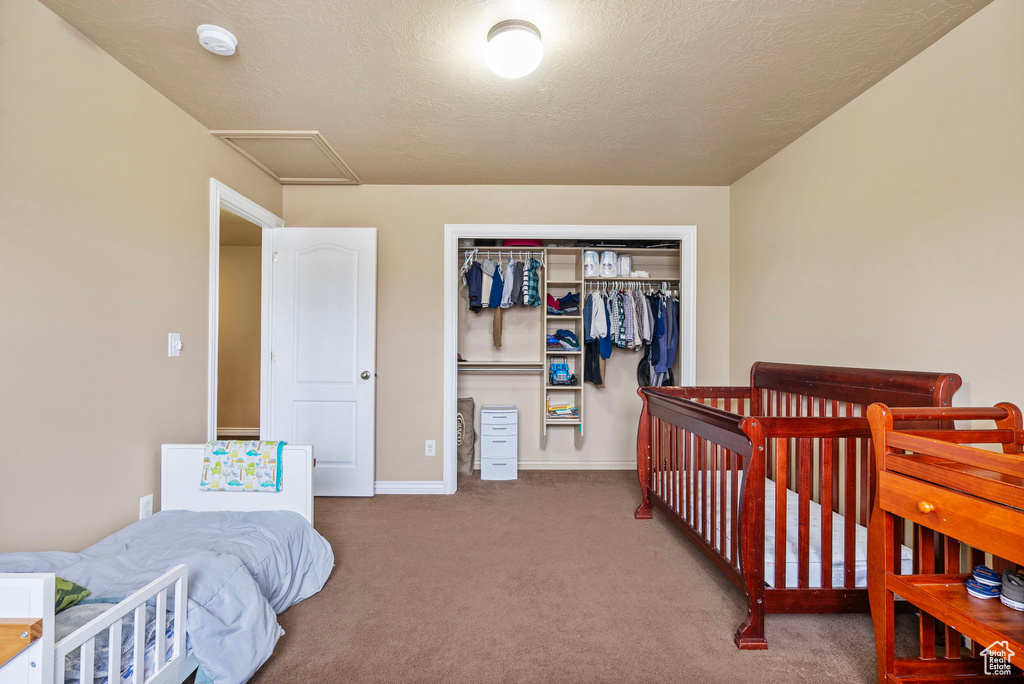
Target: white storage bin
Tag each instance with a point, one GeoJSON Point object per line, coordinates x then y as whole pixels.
{"type": "Point", "coordinates": [499, 446]}
{"type": "Point", "coordinates": [499, 469]}
{"type": "Point", "coordinates": [501, 416]}
{"type": "Point", "coordinates": [490, 429]}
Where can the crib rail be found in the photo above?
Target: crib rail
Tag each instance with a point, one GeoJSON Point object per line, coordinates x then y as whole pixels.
{"type": "Point", "coordinates": [705, 467]}
{"type": "Point", "coordinates": [83, 639]}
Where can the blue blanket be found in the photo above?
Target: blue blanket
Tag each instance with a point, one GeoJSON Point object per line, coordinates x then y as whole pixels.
{"type": "Point", "coordinates": [243, 569]}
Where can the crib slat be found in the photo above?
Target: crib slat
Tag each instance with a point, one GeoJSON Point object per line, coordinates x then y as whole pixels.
{"type": "Point", "coordinates": [836, 499]}
{"type": "Point", "coordinates": [160, 628]}
{"type": "Point", "coordinates": [781, 468]}
{"type": "Point", "coordinates": [865, 479]}
{"type": "Point", "coordinates": [733, 556]}
{"type": "Point", "coordinates": [828, 451]}
{"type": "Point", "coordinates": [804, 513]}
{"type": "Point", "coordinates": [926, 551]}
{"type": "Point", "coordinates": [677, 458]}
{"type": "Point", "coordinates": [87, 661]}
{"type": "Point", "coordinates": [713, 518]}
{"type": "Point", "coordinates": [139, 646]}
{"type": "Point", "coordinates": [723, 507]}
{"type": "Point", "coordinates": [951, 566]}
{"type": "Point", "coordinates": [702, 513]}
{"type": "Point", "coordinates": [693, 480]}
{"type": "Point", "coordinates": [656, 461]}
{"type": "Point", "coordinates": [180, 614]}
{"type": "Point", "coordinates": [849, 514]}
{"type": "Point", "coordinates": [114, 652]}
{"type": "Point", "coordinates": [698, 493]}
{"type": "Point", "coordinates": [684, 485]}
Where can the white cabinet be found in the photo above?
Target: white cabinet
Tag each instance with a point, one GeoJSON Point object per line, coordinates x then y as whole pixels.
{"type": "Point", "coordinates": [499, 446]}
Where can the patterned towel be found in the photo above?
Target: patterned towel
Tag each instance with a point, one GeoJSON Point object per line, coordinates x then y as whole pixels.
{"type": "Point", "coordinates": [242, 467]}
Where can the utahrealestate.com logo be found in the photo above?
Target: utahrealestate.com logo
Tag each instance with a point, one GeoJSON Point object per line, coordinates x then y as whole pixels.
{"type": "Point", "coordinates": [997, 658]}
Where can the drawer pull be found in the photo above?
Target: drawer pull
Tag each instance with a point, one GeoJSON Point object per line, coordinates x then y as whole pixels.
{"type": "Point", "coordinates": [925, 507]}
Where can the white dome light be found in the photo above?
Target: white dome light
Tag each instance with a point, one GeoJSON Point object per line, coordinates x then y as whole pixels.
{"type": "Point", "coordinates": [514, 48]}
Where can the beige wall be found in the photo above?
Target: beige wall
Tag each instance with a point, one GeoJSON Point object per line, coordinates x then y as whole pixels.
{"type": "Point", "coordinates": [238, 337]}
{"type": "Point", "coordinates": [890, 235]}
{"type": "Point", "coordinates": [104, 195]}
{"type": "Point", "coordinates": [410, 221]}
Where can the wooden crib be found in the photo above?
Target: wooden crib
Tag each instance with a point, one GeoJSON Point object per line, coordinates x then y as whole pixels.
{"type": "Point", "coordinates": [720, 461]}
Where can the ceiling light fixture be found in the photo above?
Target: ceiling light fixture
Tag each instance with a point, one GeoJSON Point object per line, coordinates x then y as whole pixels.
{"type": "Point", "coordinates": [217, 40]}
{"type": "Point", "coordinates": [514, 48]}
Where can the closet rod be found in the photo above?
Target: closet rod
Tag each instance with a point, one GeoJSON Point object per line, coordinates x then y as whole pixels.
{"type": "Point", "coordinates": [499, 252]}
{"type": "Point", "coordinates": [499, 369]}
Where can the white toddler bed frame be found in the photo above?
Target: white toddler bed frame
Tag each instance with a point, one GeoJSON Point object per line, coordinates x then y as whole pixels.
{"type": "Point", "coordinates": [30, 596]}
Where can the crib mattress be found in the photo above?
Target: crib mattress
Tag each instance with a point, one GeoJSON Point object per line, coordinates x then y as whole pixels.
{"type": "Point", "coordinates": [838, 561]}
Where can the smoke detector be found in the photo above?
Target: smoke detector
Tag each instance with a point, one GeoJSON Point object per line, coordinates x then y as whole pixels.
{"type": "Point", "coordinates": [217, 40]}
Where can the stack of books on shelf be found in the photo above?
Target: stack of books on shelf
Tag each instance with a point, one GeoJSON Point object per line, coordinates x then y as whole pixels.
{"type": "Point", "coordinates": [567, 412]}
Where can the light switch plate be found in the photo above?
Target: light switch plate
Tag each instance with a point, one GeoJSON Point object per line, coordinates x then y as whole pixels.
{"type": "Point", "coordinates": [146, 506]}
{"type": "Point", "coordinates": [428, 448]}
{"type": "Point", "coordinates": [174, 344]}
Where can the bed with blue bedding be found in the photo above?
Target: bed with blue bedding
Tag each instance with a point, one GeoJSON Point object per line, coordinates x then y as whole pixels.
{"type": "Point", "coordinates": [243, 570]}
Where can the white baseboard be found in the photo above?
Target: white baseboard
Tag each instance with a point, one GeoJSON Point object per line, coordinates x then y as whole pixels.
{"type": "Point", "coordinates": [571, 465]}
{"type": "Point", "coordinates": [408, 487]}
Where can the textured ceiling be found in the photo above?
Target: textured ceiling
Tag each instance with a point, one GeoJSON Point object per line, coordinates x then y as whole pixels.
{"type": "Point", "coordinates": [649, 92]}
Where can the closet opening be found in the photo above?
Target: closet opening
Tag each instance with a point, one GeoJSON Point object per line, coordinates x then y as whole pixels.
{"type": "Point", "coordinates": [570, 374]}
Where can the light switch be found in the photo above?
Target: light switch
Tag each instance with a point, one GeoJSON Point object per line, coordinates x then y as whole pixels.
{"type": "Point", "coordinates": [174, 344]}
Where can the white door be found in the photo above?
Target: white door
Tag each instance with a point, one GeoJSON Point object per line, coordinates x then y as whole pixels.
{"type": "Point", "coordinates": [323, 334]}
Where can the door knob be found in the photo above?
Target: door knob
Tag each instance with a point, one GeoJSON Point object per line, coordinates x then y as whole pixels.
{"type": "Point", "coordinates": [365, 375]}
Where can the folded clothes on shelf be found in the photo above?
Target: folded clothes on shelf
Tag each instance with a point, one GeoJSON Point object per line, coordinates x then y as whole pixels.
{"type": "Point", "coordinates": [569, 305]}
{"type": "Point", "coordinates": [563, 340]}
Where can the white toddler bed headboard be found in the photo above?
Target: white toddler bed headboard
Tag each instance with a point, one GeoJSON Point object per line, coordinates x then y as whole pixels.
{"type": "Point", "coordinates": [182, 465]}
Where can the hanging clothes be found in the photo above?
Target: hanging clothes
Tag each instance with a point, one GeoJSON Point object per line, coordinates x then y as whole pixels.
{"type": "Point", "coordinates": [497, 287]}
{"type": "Point", "coordinates": [487, 269]}
{"type": "Point", "coordinates": [474, 278]}
{"type": "Point", "coordinates": [517, 287]}
{"type": "Point", "coordinates": [509, 284]}
{"type": "Point", "coordinates": [533, 291]}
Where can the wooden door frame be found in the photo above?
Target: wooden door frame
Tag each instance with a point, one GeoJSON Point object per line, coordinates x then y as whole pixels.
{"type": "Point", "coordinates": [687, 236]}
{"type": "Point", "coordinates": [223, 197]}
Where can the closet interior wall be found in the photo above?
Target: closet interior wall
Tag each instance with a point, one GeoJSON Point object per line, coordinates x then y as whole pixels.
{"type": "Point", "coordinates": [609, 414]}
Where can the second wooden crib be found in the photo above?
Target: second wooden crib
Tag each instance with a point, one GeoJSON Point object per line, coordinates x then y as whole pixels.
{"type": "Point", "coordinates": [772, 481]}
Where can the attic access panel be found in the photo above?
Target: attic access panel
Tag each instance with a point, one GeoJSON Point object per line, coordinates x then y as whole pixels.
{"type": "Point", "coordinates": [292, 157]}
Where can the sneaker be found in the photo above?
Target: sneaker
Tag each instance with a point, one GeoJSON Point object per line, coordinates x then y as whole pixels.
{"type": "Point", "coordinates": [981, 591]}
{"type": "Point", "coordinates": [986, 575]}
{"type": "Point", "coordinates": [1013, 589]}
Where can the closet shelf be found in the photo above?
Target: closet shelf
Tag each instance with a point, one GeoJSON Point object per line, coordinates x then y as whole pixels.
{"type": "Point", "coordinates": [504, 365]}
{"type": "Point", "coordinates": [561, 352]}
{"type": "Point", "coordinates": [559, 421]}
{"type": "Point", "coordinates": [632, 280]}
{"type": "Point", "coordinates": [552, 317]}
{"type": "Point", "coordinates": [567, 388]}
{"type": "Point", "coordinates": [565, 283]}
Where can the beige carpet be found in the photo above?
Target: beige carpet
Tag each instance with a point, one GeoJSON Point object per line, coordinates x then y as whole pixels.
{"type": "Point", "coordinates": [545, 579]}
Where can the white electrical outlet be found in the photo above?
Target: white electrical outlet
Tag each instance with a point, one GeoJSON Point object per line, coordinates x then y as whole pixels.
{"type": "Point", "coordinates": [146, 506]}
{"type": "Point", "coordinates": [428, 449]}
